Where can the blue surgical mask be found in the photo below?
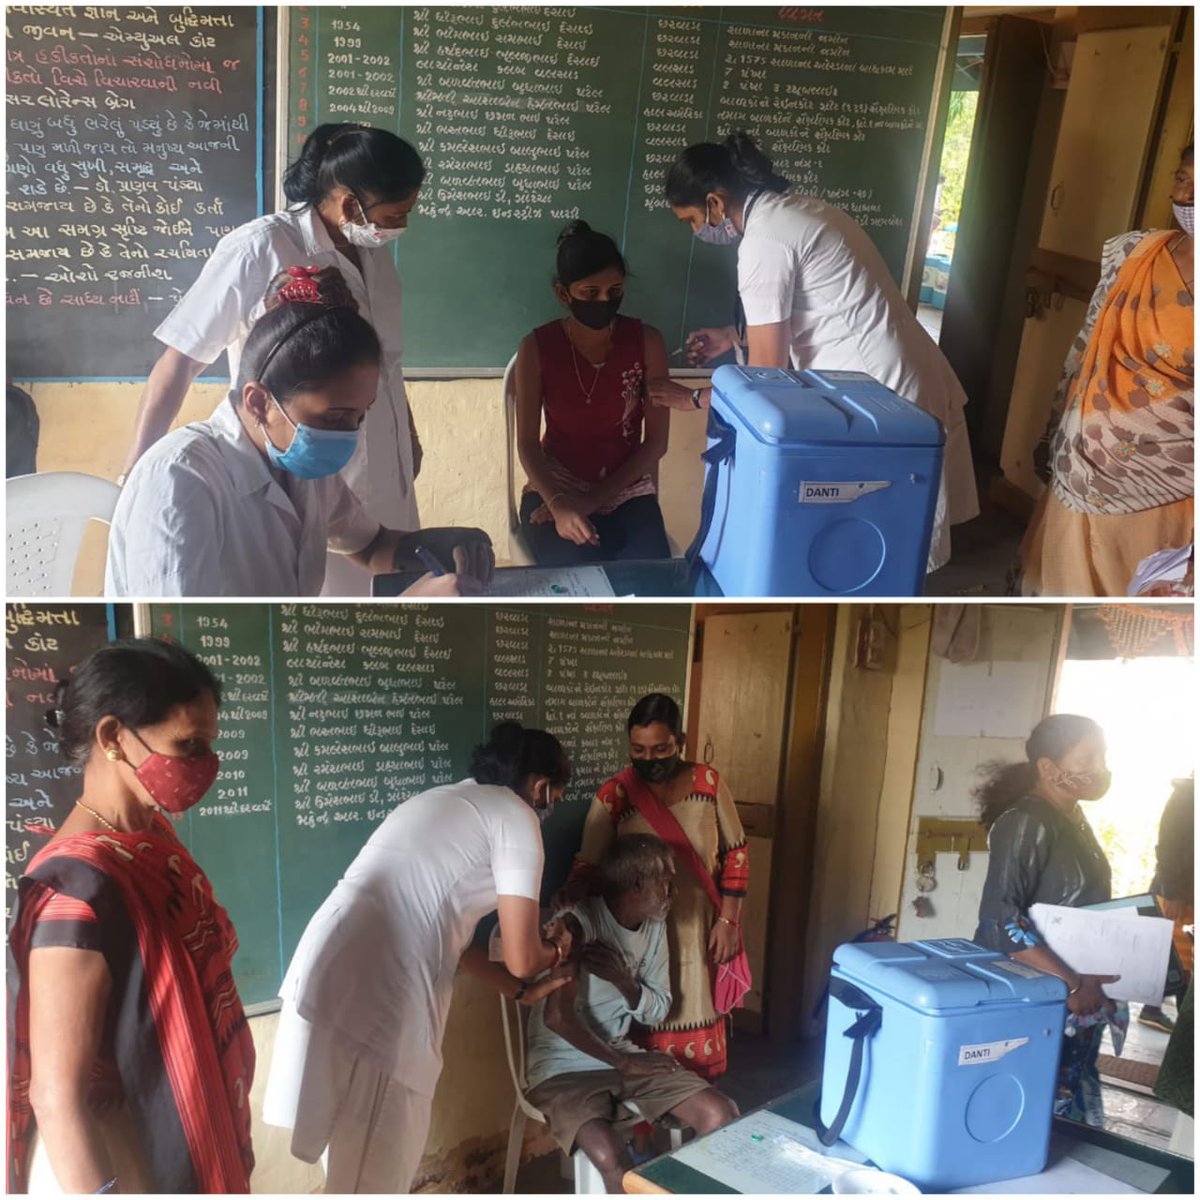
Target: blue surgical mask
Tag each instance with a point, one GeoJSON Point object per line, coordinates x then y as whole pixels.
{"type": "Point", "coordinates": [724, 234]}
{"type": "Point", "coordinates": [313, 453]}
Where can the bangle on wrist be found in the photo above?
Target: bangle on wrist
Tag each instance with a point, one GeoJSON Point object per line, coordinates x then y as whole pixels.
{"type": "Point", "coordinates": [735, 924]}
{"type": "Point", "coordinates": [110, 1186]}
{"type": "Point", "coordinates": [558, 950]}
{"type": "Point", "coordinates": [1071, 991]}
{"type": "Point", "coordinates": [557, 496]}
{"type": "Point", "coordinates": [696, 397]}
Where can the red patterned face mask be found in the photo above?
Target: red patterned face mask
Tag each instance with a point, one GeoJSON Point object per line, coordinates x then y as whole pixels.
{"type": "Point", "coordinates": [175, 783]}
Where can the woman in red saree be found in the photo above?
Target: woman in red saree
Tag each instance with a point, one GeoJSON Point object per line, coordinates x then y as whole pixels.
{"type": "Point", "coordinates": [688, 806]}
{"type": "Point", "coordinates": [130, 1060]}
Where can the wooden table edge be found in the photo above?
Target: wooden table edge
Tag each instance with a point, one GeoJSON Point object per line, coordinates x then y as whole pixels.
{"type": "Point", "coordinates": [639, 1185]}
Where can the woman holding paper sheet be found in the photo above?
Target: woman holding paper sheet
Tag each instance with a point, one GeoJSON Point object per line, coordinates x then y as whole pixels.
{"type": "Point", "coordinates": [1042, 850]}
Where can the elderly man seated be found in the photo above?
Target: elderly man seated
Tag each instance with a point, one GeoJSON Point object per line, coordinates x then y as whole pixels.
{"type": "Point", "coordinates": [581, 1065]}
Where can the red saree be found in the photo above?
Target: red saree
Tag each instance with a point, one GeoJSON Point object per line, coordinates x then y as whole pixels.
{"type": "Point", "coordinates": [180, 1042]}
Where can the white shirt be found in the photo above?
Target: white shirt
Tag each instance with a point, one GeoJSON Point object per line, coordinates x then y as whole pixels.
{"type": "Point", "coordinates": [376, 964]}
{"type": "Point", "coordinates": [203, 514]}
{"type": "Point", "coordinates": [805, 261]}
{"type": "Point", "coordinates": [219, 309]}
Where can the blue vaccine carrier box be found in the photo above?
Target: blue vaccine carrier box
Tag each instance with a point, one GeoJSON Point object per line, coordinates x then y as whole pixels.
{"type": "Point", "coordinates": [827, 487]}
{"type": "Point", "coordinates": [959, 1060]}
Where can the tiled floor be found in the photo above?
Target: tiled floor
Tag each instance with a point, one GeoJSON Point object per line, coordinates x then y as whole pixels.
{"type": "Point", "coordinates": [1129, 1110]}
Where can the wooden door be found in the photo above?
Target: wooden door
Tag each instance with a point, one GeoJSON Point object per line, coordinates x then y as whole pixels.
{"type": "Point", "coordinates": [1116, 79]}
{"type": "Point", "coordinates": [740, 729]}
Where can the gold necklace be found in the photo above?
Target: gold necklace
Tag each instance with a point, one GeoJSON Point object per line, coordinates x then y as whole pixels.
{"type": "Point", "coordinates": [103, 820]}
{"type": "Point", "coordinates": [587, 394]}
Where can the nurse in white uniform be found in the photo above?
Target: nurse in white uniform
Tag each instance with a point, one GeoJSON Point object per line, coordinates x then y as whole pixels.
{"type": "Point", "coordinates": [250, 502]}
{"type": "Point", "coordinates": [351, 192]}
{"type": "Point", "coordinates": [366, 996]}
{"type": "Point", "coordinates": [816, 293]}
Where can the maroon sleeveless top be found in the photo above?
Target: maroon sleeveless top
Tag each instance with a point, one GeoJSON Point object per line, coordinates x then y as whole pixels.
{"type": "Point", "coordinates": [592, 437]}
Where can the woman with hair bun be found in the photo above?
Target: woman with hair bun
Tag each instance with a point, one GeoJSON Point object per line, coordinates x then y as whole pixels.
{"type": "Point", "coordinates": [367, 993]}
{"type": "Point", "coordinates": [130, 1061]}
{"type": "Point", "coordinates": [816, 293]}
{"type": "Point", "coordinates": [1041, 849]}
{"type": "Point", "coordinates": [592, 491]}
{"type": "Point", "coordinates": [351, 191]}
{"type": "Point", "coordinates": [251, 502]}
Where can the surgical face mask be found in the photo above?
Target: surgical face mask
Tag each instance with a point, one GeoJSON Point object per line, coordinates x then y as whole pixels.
{"type": "Point", "coordinates": [656, 770]}
{"type": "Point", "coordinates": [313, 453]}
{"type": "Point", "coordinates": [1185, 216]}
{"type": "Point", "coordinates": [595, 314]}
{"type": "Point", "coordinates": [368, 235]}
{"type": "Point", "coordinates": [546, 808]}
{"type": "Point", "coordinates": [175, 783]}
{"type": "Point", "coordinates": [723, 234]}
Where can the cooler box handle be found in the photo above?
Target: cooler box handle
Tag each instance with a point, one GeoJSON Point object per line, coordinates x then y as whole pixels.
{"type": "Point", "coordinates": [721, 451]}
{"type": "Point", "coordinates": [870, 1018]}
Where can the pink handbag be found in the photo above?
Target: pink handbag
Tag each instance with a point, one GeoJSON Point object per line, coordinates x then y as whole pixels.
{"type": "Point", "coordinates": [733, 979]}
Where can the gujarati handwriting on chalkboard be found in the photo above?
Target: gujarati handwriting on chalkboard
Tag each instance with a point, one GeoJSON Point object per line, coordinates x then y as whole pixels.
{"type": "Point", "coordinates": [529, 117]}
{"type": "Point", "coordinates": [333, 717]}
{"type": "Point", "coordinates": [131, 150]}
{"type": "Point", "coordinates": [43, 644]}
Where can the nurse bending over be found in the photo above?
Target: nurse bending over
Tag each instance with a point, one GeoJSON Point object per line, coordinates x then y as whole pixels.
{"type": "Point", "coordinates": [247, 502]}
{"type": "Point", "coordinates": [816, 293]}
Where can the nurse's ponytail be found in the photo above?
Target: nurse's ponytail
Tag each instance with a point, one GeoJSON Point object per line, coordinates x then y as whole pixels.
{"type": "Point", "coordinates": [736, 166]}
{"type": "Point", "coordinates": [377, 166]}
{"type": "Point", "coordinates": [513, 753]}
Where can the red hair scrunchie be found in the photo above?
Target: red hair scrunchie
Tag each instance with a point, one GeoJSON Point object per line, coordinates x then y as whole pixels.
{"type": "Point", "coordinates": [302, 288]}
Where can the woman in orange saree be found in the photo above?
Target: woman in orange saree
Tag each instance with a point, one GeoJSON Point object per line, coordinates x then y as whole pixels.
{"type": "Point", "coordinates": [1120, 462]}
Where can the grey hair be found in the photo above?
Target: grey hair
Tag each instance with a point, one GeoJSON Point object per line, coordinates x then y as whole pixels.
{"type": "Point", "coordinates": [633, 861]}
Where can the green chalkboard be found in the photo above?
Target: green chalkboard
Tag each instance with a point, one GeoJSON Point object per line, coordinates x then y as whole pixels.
{"type": "Point", "coordinates": [529, 117]}
{"type": "Point", "coordinates": [333, 716]}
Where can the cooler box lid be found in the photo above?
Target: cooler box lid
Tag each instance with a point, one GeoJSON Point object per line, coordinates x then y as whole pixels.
{"type": "Point", "coordinates": [825, 408]}
{"type": "Point", "coordinates": [945, 974]}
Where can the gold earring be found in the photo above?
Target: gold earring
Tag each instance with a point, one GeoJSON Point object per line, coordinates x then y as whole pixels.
{"type": "Point", "coordinates": [113, 755]}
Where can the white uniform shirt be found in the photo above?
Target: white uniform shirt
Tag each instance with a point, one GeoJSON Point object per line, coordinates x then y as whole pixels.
{"type": "Point", "coordinates": [218, 310]}
{"type": "Point", "coordinates": [375, 967]}
{"type": "Point", "coordinates": [204, 515]}
{"type": "Point", "coordinates": [805, 261]}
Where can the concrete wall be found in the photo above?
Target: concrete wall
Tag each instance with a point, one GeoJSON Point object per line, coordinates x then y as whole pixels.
{"type": "Point", "coordinates": [88, 428]}
{"type": "Point", "coordinates": [1023, 635]}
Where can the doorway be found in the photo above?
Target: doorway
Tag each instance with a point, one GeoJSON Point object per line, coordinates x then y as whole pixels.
{"type": "Point", "coordinates": [1145, 707]}
{"type": "Point", "coordinates": [952, 178]}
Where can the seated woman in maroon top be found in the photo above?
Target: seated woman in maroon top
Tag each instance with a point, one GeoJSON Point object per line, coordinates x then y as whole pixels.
{"type": "Point", "coordinates": [591, 494]}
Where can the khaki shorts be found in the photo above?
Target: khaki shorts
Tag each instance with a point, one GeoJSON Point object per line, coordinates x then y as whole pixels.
{"type": "Point", "coordinates": [570, 1101]}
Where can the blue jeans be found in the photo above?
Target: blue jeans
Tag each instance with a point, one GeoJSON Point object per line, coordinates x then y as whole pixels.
{"type": "Point", "coordinates": [633, 530]}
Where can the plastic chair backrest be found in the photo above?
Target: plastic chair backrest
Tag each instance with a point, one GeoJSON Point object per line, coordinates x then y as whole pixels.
{"type": "Point", "coordinates": [510, 432]}
{"type": "Point", "coordinates": [513, 1021]}
{"type": "Point", "coordinates": [48, 514]}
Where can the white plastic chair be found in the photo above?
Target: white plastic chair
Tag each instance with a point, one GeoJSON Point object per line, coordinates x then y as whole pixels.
{"type": "Point", "coordinates": [47, 516]}
{"type": "Point", "coordinates": [588, 1180]}
{"type": "Point", "coordinates": [523, 555]}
